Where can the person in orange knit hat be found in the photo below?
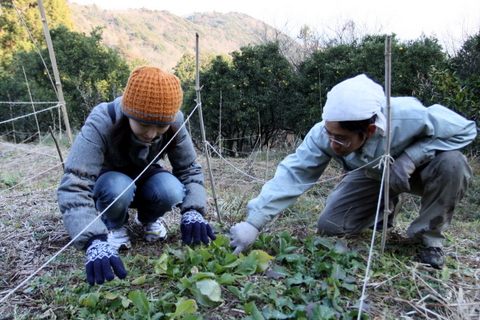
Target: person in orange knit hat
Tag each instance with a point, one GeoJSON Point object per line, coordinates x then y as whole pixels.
{"type": "Point", "coordinates": [116, 163]}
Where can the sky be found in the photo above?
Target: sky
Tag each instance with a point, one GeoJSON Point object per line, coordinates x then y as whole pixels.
{"type": "Point", "coordinates": [450, 21]}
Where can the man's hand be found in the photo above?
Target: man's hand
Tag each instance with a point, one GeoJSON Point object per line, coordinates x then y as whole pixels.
{"type": "Point", "coordinates": [400, 172]}
{"type": "Point", "coordinates": [101, 259]}
{"type": "Point", "coordinates": [193, 226]}
{"type": "Point", "coordinates": [243, 235]}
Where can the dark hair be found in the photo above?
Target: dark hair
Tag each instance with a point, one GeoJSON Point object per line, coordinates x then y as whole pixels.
{"type": "Point", "coordinates": [121, 132]}
{"type": "Point", "coordinates": [359, 127]}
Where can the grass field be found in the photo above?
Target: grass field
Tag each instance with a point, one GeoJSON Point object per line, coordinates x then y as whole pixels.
{"type": "Point", "coordinates": [291, 273]}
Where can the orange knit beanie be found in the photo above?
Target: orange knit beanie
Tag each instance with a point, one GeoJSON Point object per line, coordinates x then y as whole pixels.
{"type": "Point", "coordinates": [152, 96]}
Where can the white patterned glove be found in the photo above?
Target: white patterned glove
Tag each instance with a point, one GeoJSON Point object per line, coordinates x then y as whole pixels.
{"type": "Point", "coordinates": [243, 235]}
{"type": "Point", "coordinates": [400, 172]}
{"type": "Point", "coordinates": [194, 226]}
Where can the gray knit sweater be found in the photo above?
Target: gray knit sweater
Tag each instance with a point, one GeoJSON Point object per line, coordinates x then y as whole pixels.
{"type": "Point", "coordinates": [92, 153]}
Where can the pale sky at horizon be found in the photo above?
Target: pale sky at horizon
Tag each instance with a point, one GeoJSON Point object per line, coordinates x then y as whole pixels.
{"type": "Point", "coordinates": [408, 19]}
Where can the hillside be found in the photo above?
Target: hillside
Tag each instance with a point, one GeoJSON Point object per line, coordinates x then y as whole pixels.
{"type": "Point", "coordinates": [161, 38]}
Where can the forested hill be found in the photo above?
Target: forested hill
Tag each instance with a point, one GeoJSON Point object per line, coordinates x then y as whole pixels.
{"type": "Point", "coordinates": [161, 38]}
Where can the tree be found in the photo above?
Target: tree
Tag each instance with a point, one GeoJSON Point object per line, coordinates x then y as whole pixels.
{"type": "Point", "coordinates": [217, 88]}
{"type": "Point", "coordinates": [90, 73]}
{"type": "Point", "coordinates": [258, 98]}
{"type": "Point", "coordinates": [309, 40]}
{"type": "Point", "coordinates": [319, 73]}
{"type": "Point", "coordinates": [186, 68]}
{"type": "Point", "coordinates": [467, 61]}
{"type": "Point", "coordinates": [457, 85]}
{"type": "Point", "coordinates": [19, 15]}
{"type": "Point", "coordinates": [411, 61]}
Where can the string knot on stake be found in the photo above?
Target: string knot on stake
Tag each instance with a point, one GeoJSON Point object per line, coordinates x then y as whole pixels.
{"type": "Point", "coordinates": [383, 161]}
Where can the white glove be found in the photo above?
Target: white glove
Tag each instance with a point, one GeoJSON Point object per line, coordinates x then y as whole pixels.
{"type": "Point", "coordinates": [243, 235]}
{"type": "Point", "coordinates": [400, 172]}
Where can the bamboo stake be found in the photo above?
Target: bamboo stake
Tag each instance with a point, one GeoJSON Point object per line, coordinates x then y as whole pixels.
{"type": "Point", "coordinates": [387, 171]}
{"type": "Point", "coordinates": [58, 147]}
{"type": "Point", "coordinates": [202, 128]}
{"type": "Point", "coordinates": [388, 82]}
{"type": "Point", "coordinates": [220, 142]}
{"type": "Point", "coordinates": [33, 105]}
{"type": "Point", "coordinates": [58, 84]}
{"type": "Point", "coordinates": [14, 132]}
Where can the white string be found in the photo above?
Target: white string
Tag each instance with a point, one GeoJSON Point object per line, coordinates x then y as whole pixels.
{"type": "Point", "coordinates": [27, 150]}
{"type": "Point", "coordinates": [372, 243]}
{"type": "Point", "coordinates": [232, 151]}
{"type": "Point", "coordinates": [98, 216]}
{"type": "Point", "coordinates": [28, 135]}
{"type": "Point", "coordinates": [36, 47]}
{"type": "Point", "coordinates": [239, 138]}
{"type": "Point", "coordinates": [30, 114]}
{"type": "Point", "coordinates": [289, 185]}
{"type": "Point", "coordinates": [382, 162]}
{"type": "Point", "coordinates": [31, 178]}
{"type": "Point", "coordinates": [27, 102]}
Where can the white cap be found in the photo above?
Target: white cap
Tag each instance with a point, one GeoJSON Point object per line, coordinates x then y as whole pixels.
{"type": "Point", "coordinates": [355, 99]}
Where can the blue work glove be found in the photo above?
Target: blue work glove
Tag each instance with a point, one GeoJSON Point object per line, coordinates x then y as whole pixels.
{"type": "Point", "coordinates": [194, 226]}
{"type": "Point", "coordinates": [101, 259]}
{"type": "Point", "coordinates": [400, 173]}
{"type": "Point", "coordinates": [243, 235]}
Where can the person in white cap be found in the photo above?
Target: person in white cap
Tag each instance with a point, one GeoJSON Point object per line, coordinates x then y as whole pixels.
{"type": "Point", "coordinates": [425, 145]}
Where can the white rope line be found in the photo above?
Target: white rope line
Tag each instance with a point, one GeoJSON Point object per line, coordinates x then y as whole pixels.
{"type": "Point", "coordinates": [288, 185]}
{"type": "Point", "coordinates": [372, 243]}
{"type": "Point", "coordinates": [239, 138]}
{"type": "Point", "coordinates": [225, 149]}
{"type": "Point", "coordinates": [27, 150]}
{"type": "Point", "coordinates": [36, 47]}
{"type": "Point", "coordinates": [28, 135]}
{"type": "Point", "coordinates": [30, 114]}
{"type": "Point", "coordinates": [27, 102]}
{"type": "Point", "coordinates": [98, 216]}
{"type": "Point", "coordinates": [7, 133]}
{"type": "Point", "coordinates": [383, 160]}
{"type": "Point", "coordinates": [30, 179]}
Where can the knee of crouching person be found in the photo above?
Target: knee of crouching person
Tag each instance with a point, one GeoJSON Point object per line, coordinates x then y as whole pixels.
{"type": "Point", "coordinates": [327, 228]}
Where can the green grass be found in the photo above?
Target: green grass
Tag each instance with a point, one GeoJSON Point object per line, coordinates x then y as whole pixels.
{"type": "Point", "coordinates": [290, 273]}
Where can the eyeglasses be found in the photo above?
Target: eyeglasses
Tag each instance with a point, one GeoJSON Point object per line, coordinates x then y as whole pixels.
{"type": "Point", "coordinates": [342, 142]}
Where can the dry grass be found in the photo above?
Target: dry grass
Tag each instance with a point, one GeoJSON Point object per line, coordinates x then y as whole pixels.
{"type": "Point", "coordinates": [32, 232]}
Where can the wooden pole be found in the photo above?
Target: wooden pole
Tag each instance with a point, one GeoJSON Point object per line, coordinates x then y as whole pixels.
{"type": "Point", "coordinates": [33, 105]}
{"type": "Point", "coordinates": [58, 84]}
{"type": "Point", "coordinates": [220, 142]}
{"type": "Point", "coordinates": [202, 128]}
{"type": "Point", "coordinates": [387, 170]}
{"type": "Point", "coordinates": [388, 83]}
{"type": "Point", "coordinates": [58, 147]}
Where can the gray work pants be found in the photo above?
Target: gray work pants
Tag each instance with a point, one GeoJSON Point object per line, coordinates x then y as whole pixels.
{"type": "Point", "coordinates": [441, 183]}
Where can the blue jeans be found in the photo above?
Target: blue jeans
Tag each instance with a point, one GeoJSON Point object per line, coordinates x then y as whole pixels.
{"type": "Point", "coordinates": [152, 197]}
